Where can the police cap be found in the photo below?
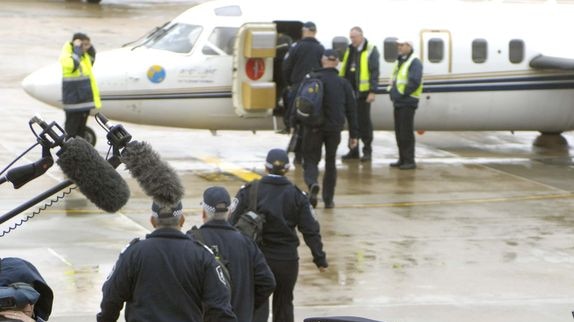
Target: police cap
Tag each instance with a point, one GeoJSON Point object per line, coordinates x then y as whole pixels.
{"type": "Point", "coordinates": [277, 160]}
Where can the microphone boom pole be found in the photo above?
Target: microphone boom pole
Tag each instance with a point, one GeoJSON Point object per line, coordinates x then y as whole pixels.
{"type": "Point", "coordinates": [30, 203]}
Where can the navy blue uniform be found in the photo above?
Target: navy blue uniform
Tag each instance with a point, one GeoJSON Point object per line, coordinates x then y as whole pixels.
{"type": "Point", "coordinates": [338, 104]}
{"type": "Point", "coordinates": [166, 277]}
{"type": "Point", "coordinates": [285, 207]}
{"type": "Point", "coordinates": [303, 57]}
{"type": "Point", "coordinates": [251, 279]}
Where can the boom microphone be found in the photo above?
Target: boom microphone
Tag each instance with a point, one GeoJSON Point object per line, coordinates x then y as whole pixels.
{"type": "Point", "coordinates": [157, 178]}
{"type": "Point", "coordinates": [95, 177]}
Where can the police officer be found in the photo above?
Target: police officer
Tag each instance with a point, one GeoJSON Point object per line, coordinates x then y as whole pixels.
{"type": "Point", "coordinates": [338, 104]}
{"type": "Point", "coordinates": [303, 57]}
{"type": "Point", "coordinates": [80, 91]}
{"type": "Point", "coordinates": [251, 279]}
{"type": "Point", "coordinates": [285, 208]}
{"type": "Point", "coordinates": [166, 277]}
{"type": "Point", "coordinates": [361, 68]}
{"type": "Point", "coordinates": [405, 90]}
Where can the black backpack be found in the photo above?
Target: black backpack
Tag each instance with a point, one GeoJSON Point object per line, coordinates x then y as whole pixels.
{"type": "Point", "coordinates": [214, 249]}
{"type": "Point", "coordinates": [309, 101]}
{"type": "Point", "coordinates": [251, 222]}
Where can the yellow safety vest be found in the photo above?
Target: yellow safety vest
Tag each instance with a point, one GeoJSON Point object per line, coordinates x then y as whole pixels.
{"type": "Point", "coordinates": [79, 83]}
{"type": "Point", "coordinates": [401, 76]}
{"type": "Point", "coordinates": [365, 75]}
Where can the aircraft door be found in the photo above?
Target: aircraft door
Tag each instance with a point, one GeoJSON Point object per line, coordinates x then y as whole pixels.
{"type": "Point", "coordinates": [436, 52]}
{"type": "Point", "coordinates": [253, 87]}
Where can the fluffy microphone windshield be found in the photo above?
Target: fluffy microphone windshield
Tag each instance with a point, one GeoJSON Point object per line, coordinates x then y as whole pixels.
{"type": "Point", "coordinates": [157, 178]}
{"type": "Point", "coordinates": [95, 177]}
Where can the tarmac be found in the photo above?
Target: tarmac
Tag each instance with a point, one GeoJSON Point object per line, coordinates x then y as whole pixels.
{"type": "Point", "coordinates": [480, 231]}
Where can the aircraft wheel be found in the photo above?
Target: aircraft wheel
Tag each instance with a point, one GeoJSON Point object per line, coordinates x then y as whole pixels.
{"type": "Point", "coordinates": [551, 140]}
{"type": "Point", "coordinates": [90, 136]}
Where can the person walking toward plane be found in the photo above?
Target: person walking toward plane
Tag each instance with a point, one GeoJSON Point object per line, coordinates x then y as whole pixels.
{"type": "Point", "coordinates": [338, 104]}
{"type": "Point", "coordinates": [251, 279]}
{"type": "Point", "coordinates": [285, 208]}
{"type": "Point", "coordinates": [303, 57]}
{"type": "Point", "coordinates": [361, 68]}
{"type": "Point", "coordinates": [405, 90]}
{"type": "Point", "coordinates": [166, 277]}
{"type": "Point", "coordinates": [80, 91]}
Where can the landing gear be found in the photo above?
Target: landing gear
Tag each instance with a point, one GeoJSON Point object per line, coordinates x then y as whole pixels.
{"type": "Point", "coordinates": [90, 136]}
{"type": "Point", "coordinates": [551, 140]}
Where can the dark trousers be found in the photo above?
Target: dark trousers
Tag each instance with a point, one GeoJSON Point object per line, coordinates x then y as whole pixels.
{"type": "Point", "coordinates": [313, 140]}
{"type": "Point", "coordinates": [404, 133]}
{"type": "Point", "coordinates": [76, 123]}
{"type": "Point", "coordinates": [289, 119]}
{"type": "Point", "coordinates": [365, 125]}
{"type": "Point", "coordinates": [285, 273]}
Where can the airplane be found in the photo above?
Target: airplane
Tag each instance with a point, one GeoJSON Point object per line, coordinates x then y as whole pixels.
{"type": "Point", "coordinates": [488, 65]}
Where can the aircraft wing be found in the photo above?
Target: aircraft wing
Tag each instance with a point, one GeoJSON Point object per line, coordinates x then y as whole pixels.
{"type": "Point", "coordinates": [549, 62]}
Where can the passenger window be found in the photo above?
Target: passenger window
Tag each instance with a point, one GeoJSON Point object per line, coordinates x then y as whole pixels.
{"type": "Point", "coordinates": [516, 51]}
{"type": "Point", "coordinates": [340, 45]}
{"type": "Point", "coordinates": [221, 41]}
{"type": "Point", "coordinates": [479, 50]}
{"type": "Point", "coordinates": [390, 49]}
{"type": "Point", "coordinates": [177, 38]}
{"type": "Point", "coordinates": [436, 50]}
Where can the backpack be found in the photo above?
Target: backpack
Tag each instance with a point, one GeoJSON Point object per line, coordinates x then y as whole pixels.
{"type": "Point", "coordinates": [223, 263]}
{"type": "Point", "coordinates": [251, 223]}
{"type": "Point", "coordinates": [309, 101]}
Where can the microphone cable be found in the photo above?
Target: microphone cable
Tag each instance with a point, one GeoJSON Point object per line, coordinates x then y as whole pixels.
{"type": "Point", "coordinates": [45, 206]}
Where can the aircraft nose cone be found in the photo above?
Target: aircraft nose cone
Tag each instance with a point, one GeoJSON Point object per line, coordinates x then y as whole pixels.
{"type": "Point", "coordinates": [45, 85]}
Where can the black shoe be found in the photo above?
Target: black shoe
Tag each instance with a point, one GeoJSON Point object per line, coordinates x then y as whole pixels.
{"type": "Point", "coordinates": [329, 205]}
{"type": "Point", "coordinates": [395, 164]}
{"type": "Point", "coordinates": [408, 166]}
{"type": "Point", "coordinates": [313, 192]}
{"type": "Point", "coordinates": [366, 158]}
{"type": "Point", "coordinates": [352, 155]}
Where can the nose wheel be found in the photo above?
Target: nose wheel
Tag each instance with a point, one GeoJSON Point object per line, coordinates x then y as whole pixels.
{"type": "Point", "coordinates": [90, 136]}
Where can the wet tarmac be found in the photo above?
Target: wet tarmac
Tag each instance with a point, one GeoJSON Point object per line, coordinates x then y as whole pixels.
{"type": "Point", "coordinates": [481, 231]}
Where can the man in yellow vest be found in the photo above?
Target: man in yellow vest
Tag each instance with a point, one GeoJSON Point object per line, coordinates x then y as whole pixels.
{"type": "Point", "coordinates": [360, 67]}
{"type": "Point", "coordinates": [79, 88]}
{"type": "Point", "coordinates": [405, 90]}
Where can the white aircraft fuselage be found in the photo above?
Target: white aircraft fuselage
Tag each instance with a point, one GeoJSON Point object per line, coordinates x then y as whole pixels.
{"type": "Point", "coordinates": [492, 65]}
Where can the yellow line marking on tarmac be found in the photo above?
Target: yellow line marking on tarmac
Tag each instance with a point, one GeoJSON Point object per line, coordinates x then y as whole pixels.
{"type": "Point", "coordinates": [456, 202]}
{"type": "Point", "coordinates": [227, 167]}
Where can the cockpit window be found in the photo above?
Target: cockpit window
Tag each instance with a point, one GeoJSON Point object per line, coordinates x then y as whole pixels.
{"type": "Point", "coordinates": [178, 38]}
{"type": "Point", "coordinates": [221, 41]}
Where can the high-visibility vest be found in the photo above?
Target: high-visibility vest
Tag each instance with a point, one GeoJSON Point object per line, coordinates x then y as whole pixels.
{"type": "Point", "coordinates": [401, 77]}
{"type": "Point", "coordinates": [79, 88]}
{"type": "Point", "coordinates": [365, 75]}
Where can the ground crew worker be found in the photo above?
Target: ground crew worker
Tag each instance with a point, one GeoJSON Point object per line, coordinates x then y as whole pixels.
{"type": "Point", "coordinates": [361, 68]}
{"type": "Point", "coordinates": [285, 207]}
{"type": "Point", "coordinates": [166, 277]}
{"type": "Point", "coordinates": [80, 91]}
{"type": "Point", "coordinates": [405, 90]}
{"type": "Point", "coordinates": [251, 279]}
{"type": "Point", "coordinates": [338, 104]}
{"type": "Point", "coordinates": [303, 57]}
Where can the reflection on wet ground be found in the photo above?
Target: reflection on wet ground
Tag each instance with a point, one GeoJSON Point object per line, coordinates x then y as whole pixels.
{"type": "Point", "coordinates": [481, 231]}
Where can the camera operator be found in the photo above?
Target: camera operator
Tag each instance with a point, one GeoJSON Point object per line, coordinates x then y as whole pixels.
{"type": "Point", "coordinates": [24, 295]}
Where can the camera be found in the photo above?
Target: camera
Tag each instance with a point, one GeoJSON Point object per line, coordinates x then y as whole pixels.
{"type": "Point", "coordinates": [17, 296]}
